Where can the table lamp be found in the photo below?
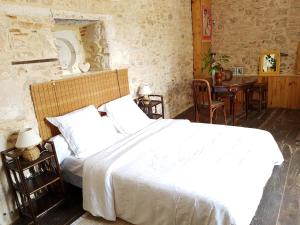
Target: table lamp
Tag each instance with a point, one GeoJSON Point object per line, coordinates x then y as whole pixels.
{"type": "Point", "coordinates": [145, 91]}
{"type": "Point", "coordinates": [28, 140]}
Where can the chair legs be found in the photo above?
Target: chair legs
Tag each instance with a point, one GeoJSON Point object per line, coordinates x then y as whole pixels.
{"type": "Point", "coordinates": [197, 119]}
{"type": "Point", "coordinates": [211, 115]}
{"type": "Point", "coordinates": [213, 112]}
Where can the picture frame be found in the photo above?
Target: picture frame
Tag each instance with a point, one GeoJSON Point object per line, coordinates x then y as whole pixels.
{"type": "Point", "coordinates": [238, 71]}
{"type": "Point", "coordinates": [269, 63]}
{"type": "Point", "coordinates": [206, 23]}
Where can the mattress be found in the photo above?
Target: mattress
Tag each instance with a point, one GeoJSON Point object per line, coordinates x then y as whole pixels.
{"type": "Point", "coordinates": [176, 172]}
{"type": "Point", "coordinates": [72, 168]}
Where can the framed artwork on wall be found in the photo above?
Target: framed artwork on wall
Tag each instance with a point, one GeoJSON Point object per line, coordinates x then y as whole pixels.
{"type": "Point", "coordinates": [238, 71]}
{"type": "Point", "coordinates": [206, 23]}
{"type": "Point", "coordinates": [269, 63]}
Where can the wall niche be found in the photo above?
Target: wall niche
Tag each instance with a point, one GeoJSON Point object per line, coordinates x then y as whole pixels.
{"type": "Point", "coordinates": [81, 45]}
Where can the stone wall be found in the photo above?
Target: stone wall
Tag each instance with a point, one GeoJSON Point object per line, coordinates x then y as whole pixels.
{"type": "Point", "coordinates": [151, 38]}
{"type": "Point", "coordinates": [245, 28]}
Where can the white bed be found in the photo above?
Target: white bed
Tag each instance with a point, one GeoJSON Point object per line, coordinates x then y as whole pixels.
{"type": "Point", "coordinates": [177, 172]}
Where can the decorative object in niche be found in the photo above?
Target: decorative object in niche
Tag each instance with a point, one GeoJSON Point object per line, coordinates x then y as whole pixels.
{"type": "Point", "coordinates": [270, 63]}
{"type": "Point", "coordinates": [84, 67]}
{"type": "Point", "coordinates": [69, 51]}
{"type": "Point", "coordinates": [206, 23]}
{"type": "Point", "coordinates": [66, 52]}
{"type": "Point", "coordinates": [298, 60]}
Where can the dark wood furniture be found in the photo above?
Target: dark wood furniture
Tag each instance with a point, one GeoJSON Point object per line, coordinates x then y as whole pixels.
{"type": "Point", "coordinates": [154, 107]}
{"type": "Point", "coordinates": [232, 87]}
{"type": "Point", "coordinates": [202, 100]}
{"type": "Point", "coordinates": [37, 186]}
{"type": "Point", "coordinates": [261, 90]}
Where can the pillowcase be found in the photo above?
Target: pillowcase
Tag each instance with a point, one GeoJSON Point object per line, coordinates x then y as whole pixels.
{"type": "Point", "coordinates": [85, 131]}
{"type": "Point", "coordinates": [126, 115]}
{"type": "Point", "coordinates": [61, 147]}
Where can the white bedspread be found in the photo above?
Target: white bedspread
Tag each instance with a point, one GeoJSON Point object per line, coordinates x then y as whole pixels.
{"type": "Point", "coordinates": [177, 172]}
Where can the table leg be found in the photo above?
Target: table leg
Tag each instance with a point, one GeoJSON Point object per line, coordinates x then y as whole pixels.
{"type": "Point", "coordinates": [247, 95]}
{"type": "Point", "coordinates": [232, 104]}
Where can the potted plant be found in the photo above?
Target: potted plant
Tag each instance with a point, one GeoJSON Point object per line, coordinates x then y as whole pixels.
{"type": "Point", "coordinates": [213, 62]}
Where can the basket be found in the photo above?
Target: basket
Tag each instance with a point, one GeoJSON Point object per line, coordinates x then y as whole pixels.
{"type": "Point", "coordinates": [31, 154]}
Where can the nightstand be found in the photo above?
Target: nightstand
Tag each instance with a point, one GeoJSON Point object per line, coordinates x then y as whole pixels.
{"type": "Point", "coordinates": [37, 186]}
{"type": "Point", "coordinates": [154, 108]}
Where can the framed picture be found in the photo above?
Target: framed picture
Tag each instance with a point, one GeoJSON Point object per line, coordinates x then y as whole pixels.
{"type": "Point", "coordinates": [206, 23]}
{"type": "Point", "coordinates": [269, 63]}
{"type": "Point", "coordinates": [238, 71]}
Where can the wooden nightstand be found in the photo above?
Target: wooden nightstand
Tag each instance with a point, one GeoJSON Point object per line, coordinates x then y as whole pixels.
{"type": "Point", "coordinates": [154, 108]}
{"type": "Point", "coordinates": [37, 186]}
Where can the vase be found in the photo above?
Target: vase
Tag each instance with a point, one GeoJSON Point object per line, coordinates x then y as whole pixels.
{"type": "Point", "coordinates": [228, 75]}
{"type": "Point", "coordinates": [218, 78]}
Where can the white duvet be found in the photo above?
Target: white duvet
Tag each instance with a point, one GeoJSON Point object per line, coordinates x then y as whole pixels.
{"type": "Point", "coordinates": [177, 172]}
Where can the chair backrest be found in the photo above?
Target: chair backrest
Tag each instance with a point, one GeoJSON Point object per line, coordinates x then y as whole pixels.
{"type": "Point", "coordinates": [201, 93]}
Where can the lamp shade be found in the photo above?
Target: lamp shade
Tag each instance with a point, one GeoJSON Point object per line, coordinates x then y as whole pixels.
{"type": "Point", "coordinates": [28, 138]}
{"type": "Point", "coordinates": [145, 90]}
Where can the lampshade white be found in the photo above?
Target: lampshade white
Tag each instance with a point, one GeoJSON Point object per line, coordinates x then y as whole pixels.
{"type": "Point", "coordinates": [145, 90]}
{"type": "Point", "coordinates": [28, 138]}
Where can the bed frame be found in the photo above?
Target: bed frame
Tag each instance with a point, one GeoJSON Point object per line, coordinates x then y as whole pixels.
{"type": "Point", "coordinates": [56, 98]}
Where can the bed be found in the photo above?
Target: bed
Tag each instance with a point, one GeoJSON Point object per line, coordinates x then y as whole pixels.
{"type": "Point", "coordinates": [168, 172]}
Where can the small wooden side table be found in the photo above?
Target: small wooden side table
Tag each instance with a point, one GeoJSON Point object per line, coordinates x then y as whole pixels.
{"type": "Point", "coordinates": [154, 108]}
{"type": "Point", "coordinates": [37, 185]}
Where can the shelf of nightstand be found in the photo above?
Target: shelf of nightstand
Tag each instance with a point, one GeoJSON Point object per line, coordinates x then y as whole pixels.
{"type": "Point", "coordinates": [38, 182]}
{"type": "Point", "coordinates": [43, 204]}
{"type": "Point", "coordinates": [155, 116]}
{"type": "Point", "coordinates": [26, 164]}
{"type": "Point", "coordinates": [153, 103]}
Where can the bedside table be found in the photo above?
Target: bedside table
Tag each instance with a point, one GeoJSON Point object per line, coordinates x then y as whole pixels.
{"type": "Point", "coordinates": [154, 108]}
{"type": "Point", "coordinates": [37, 186]}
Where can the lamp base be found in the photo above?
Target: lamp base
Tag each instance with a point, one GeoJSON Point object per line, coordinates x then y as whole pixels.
{"type": "Point", "coordinates": [146, 100]}
{"type": "Point", "coordinates": [31, 154]}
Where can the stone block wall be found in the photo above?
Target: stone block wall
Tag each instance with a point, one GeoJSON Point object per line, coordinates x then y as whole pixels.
{"type": "Point", "coordinates": [245, 28]}
{"type": "Point", "coordinates": [151, 38]}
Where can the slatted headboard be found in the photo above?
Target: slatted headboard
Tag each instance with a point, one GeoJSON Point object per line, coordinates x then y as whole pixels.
{"type": "Point", "coordinates": [59, 97]}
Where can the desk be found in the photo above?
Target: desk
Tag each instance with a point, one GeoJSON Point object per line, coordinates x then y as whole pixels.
{"type": "Point", "coordinates": [232, 87]}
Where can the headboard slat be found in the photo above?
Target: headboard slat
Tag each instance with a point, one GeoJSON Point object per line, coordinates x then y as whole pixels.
{"type": "Point", "coordinates": [59, 97]}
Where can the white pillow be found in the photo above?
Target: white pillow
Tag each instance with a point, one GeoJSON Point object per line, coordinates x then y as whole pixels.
{"type": "Point", "coordinates": [85, 131]}
{"type": "Point", "coordinates": [61, 147]}
{"type": "Point", "coordinates": [126, 115]}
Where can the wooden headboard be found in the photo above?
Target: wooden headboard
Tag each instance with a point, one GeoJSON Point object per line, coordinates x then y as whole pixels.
{"type": "Point", "coordinates": [56, 98]}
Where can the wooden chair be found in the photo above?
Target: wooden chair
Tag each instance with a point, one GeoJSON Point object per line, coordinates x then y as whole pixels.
{"type": "Point", "coordinates": [202, 100]}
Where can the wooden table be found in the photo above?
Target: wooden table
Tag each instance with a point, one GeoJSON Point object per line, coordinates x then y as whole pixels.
{"type": "Point", "coordinates": [231, 88]}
